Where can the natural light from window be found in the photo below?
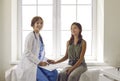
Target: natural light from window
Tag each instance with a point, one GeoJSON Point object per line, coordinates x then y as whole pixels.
{"type": "Point", "coordinates": [58, 15]}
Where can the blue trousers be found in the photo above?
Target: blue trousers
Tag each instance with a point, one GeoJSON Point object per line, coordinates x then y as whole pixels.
{"type": "Point", "coordinates": [45, 75]}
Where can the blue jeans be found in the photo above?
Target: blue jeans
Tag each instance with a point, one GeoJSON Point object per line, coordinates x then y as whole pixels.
{"type": "Point", "coordinates": [46, 75]}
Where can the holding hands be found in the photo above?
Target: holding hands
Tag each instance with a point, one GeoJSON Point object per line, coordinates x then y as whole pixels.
{"type": "Point", "coordinates": [51, 61]}
{"type": "Point", "coordinates": [43, 63]}
{"type": "Point", "coordinates": [47, 63]}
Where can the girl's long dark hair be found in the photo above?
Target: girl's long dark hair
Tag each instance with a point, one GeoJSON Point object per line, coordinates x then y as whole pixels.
{"type": "Point", "coordinates": [79, 36]}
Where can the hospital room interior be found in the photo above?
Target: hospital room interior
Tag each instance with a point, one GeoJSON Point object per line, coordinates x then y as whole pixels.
{"type": "Point", "coordinates": [100, 20]}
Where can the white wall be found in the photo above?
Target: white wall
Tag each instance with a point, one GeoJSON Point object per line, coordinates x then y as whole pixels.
{"type": "Point", "coordinates": [5, 37]}
{"type": "Point", "coordinates": [111, 32]}
{"type": "Point", "coordinates": [0, 38]}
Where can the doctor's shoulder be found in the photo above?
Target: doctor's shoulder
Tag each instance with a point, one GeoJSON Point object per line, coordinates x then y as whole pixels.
{"type": "Point", "coordinates": [30, 36]}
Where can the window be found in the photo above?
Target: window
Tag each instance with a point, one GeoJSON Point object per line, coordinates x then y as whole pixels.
{"type": "Point", "coordinates": [58, 15]}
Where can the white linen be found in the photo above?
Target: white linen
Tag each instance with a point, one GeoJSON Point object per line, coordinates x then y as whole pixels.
{"type": "Point", "coordinates": [10, 73]}
{"type": "Point", "coordinates": [55, 66]}
{"type": "Point", "coordinates": [90, 75]}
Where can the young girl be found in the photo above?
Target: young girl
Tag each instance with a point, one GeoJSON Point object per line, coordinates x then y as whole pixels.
{"type": "Point", "coordinates": [29, 68]}
{"type": "Point", "coordinates": [75, 52]}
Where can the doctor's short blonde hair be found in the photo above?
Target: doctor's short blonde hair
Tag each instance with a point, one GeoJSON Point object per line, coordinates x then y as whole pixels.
{"type": "Point", "coordinates": [36, 18]}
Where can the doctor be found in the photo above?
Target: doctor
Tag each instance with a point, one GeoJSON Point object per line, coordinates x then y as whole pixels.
{"type": "Point", "coordinates": [29, 69]}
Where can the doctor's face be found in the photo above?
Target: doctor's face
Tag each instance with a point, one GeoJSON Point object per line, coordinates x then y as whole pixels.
{"type": "Point", "coordinates": [38, 26]}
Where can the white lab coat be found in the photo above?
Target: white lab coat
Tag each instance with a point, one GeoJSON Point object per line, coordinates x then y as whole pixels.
{"type": "Point", "coordinates": [27, 68]}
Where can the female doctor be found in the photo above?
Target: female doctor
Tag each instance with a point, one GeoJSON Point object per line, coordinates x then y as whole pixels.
{"type": "Point", "coordinates": [29, 69]}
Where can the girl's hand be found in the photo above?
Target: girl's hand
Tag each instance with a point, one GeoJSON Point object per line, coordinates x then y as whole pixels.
{"type": "Point", "coordinates": [43, 63]}
{"type": "Point", "coordinates": [50, 61]}
{"type": "Point", "coordinates": [69, 70]}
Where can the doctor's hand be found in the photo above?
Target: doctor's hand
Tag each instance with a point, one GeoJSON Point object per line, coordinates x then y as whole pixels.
{"type": "Point", "coordinates": [50, 61]}
{"type": "Point", "coordinates": [43, 63]}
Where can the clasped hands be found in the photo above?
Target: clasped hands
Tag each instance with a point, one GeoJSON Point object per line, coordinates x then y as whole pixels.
{"type": "Point", "coordinates": [47, 63]}
{"type": "Point", "coordinates": [68, 71]}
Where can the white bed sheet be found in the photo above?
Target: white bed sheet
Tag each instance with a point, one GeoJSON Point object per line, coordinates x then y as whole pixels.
{"type": "Point", "coordinates": [90, 75]}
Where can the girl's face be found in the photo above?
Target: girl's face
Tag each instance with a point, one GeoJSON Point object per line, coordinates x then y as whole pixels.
{"type": "Point", "coordinates": [75, 30]}
{"type": "Point", "coordinates": [38, 26]}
